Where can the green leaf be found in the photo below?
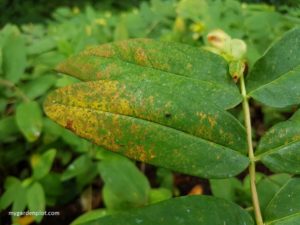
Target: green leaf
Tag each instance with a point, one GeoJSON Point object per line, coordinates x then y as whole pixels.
{"type": "Point", "coordinates": [269, 186]}
{"type": "Point", "coordinates": [124, 185]}
{"type": "Point", "coordinates": [89, 216]}
{"type": "Point", "coordinates": [275, 78]}
{"type": "Point", "coordinates": [284, 208]}
{"type": "Point", "coordinates": [29, 120]}
{"type": "Point", "coordinates": [79, 166]}
{"type": "Point", "coordinates": [194, 71]}
{"type": "Point", "coordinates": [12, 185]}
{"type": "Point", "coordinates": [8, 128]}
{"type": "Point", "coordinates": [200, 210]}
{"type": "Point", "coordinates": [36, 199]}
{"type": "Point", "coordinates": [225, 188]}
{"type": "Point", "coordinates": [279, 148]}
{"type": "Point", "coordinates": [41, 164]}
{"type": "Point", "coordinates": [159, 194]}
{"type": "Point", "coordinates": [38, 86]}
{"type": "Point", "coordinates": [14, 57]}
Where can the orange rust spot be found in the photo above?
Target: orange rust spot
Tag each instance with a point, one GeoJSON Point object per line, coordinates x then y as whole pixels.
{"type": "Point", "coordinates": [140, 56]}
{"type": "Point", "coordinates": [69, 125]}
{"type": "Point", "coordinates": [212, 121]}
{"type": "Point", "coordinates": [138, 152]}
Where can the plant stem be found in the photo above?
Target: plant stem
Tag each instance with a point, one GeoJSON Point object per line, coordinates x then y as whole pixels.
{"type": "Point", "coordinates": [246, 109]}
{"type": "Point", "coordinates": [18, 92]}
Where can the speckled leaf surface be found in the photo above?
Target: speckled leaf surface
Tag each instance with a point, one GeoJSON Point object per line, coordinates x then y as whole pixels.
{"type": "Point", "coordinates": [279, 148]}
{"type": "Point", "coordinates": [148, 122]}
{"type": "Point", "coordinates": [200, 210]}
{"type": "Point", "coordinates": [275, 78]}
{"type": "Point", "coordinates": [284, 208]}
{"type": "Point", "coordinates": [199, 72]}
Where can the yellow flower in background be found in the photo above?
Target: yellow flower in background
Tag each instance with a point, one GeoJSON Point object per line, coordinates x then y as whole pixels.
{"type": "Point", "coordinates": [88, 30]}
{"type": "Point", "coordinates": [101, 22]}
{"type": "Point", "coordinates": [75, 10]}
{"type": "Point", "coordinates": [197, 28]}
{"type": "Point", "coordinates": [179, 25]}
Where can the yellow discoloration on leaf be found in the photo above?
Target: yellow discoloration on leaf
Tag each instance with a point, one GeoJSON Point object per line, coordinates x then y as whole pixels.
{"type": "Point", "coordinates": [138, 152]}
{"type": "Point", "coordinates": [140, 56]}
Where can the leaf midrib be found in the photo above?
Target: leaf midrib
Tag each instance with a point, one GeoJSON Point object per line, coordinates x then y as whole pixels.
{"type": "Point", "coordinates": [107, 112]}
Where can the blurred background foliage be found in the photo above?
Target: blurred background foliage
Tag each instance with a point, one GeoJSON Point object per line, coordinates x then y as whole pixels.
{"type": "Point", "coordinates": [44, 166]}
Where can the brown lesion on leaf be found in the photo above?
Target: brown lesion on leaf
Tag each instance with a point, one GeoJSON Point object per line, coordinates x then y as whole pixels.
{"type": "Point", "coordinates": [139, 152]}
{"type": "Point", "coordinates": [105, 50]}
{"type": "Point", "coordinates": [140, 56]}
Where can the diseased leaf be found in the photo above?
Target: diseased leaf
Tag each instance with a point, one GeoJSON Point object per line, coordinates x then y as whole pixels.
{"type": "Point", "coordinates": [279, 148]}
{"type": "Point", "coordinates": [284, 208]}
{"type": "Point", "coordinates": [200, 210]}
{"type": "Point", "coordinates": [275, 77]}
{"type": "Point", "coordinates": [148, 123]}
{"type": "Point", "coordinates": [197, 72]}
{"type": "Point", "coordinates": [159, 118]}
{"type": "Point", "coordinates": [29, 120]}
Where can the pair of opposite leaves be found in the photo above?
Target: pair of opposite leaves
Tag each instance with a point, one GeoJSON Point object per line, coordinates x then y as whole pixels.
{"type": "Point", "coordinates": [165, 104]}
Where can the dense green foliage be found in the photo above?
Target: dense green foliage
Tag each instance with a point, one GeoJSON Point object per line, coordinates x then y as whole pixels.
{"type": "Point", "coordinates": [43, 165]}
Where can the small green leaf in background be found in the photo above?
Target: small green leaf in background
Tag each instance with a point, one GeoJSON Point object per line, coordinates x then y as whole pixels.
{"type": "Point", "coordinates": [284, 208]}
{"type": "Point", "coordinates": [12, 185]}
{"type": "Point", "coordinates": [88, 216]}
{"type": "Point", "coordinates": [41, 164]}
{"type": "Point", "coordinates": [275, 78]}
{"type": "Point", "coordinates": [37, 87]}
{"type": "Point", "coordinates": [225, 188]}
{"type": "Point", "coordinates": [188, 210]}
{"type": "Point", "coordinates": [36, 199]}
{"type": "Point", "coordinates": [14, 56]}
{"type": "Point", "coordinates": [279, 148]}
{"type": "Point", "coordinates": [124, 185]}
{"type": "Point", "coordinates": [159, 194]}
{"type": "Point", "coordinates": [8, 128]}
{"type": "Point", "coordinates": [29, 120]}
{"type": "Point", "coordinates": [80, 166]}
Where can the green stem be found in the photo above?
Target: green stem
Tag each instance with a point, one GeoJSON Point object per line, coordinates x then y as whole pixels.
{"type": "Point", "coordinates": [246, 109]}
{"type": "Point", "coordinates": [18, 92]}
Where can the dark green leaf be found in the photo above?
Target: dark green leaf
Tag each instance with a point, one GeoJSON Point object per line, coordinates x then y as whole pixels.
{"type": "Point", "coordinates": [284, 208]}
{"type": "Point", "coordinates": [29, 120]}
{"type": "Point", "coordinates": [279, 148]}
{"type": "Point", "coordinates": [125, 186]}
{"type": "Point", "coordinates": [269, 186]}
{"type": "Point", "coordinates": [275, 77]}
{"type": "Point", "coordinates": [200, 210]}
{"type": "Point", "coordinates": [12, 185]}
